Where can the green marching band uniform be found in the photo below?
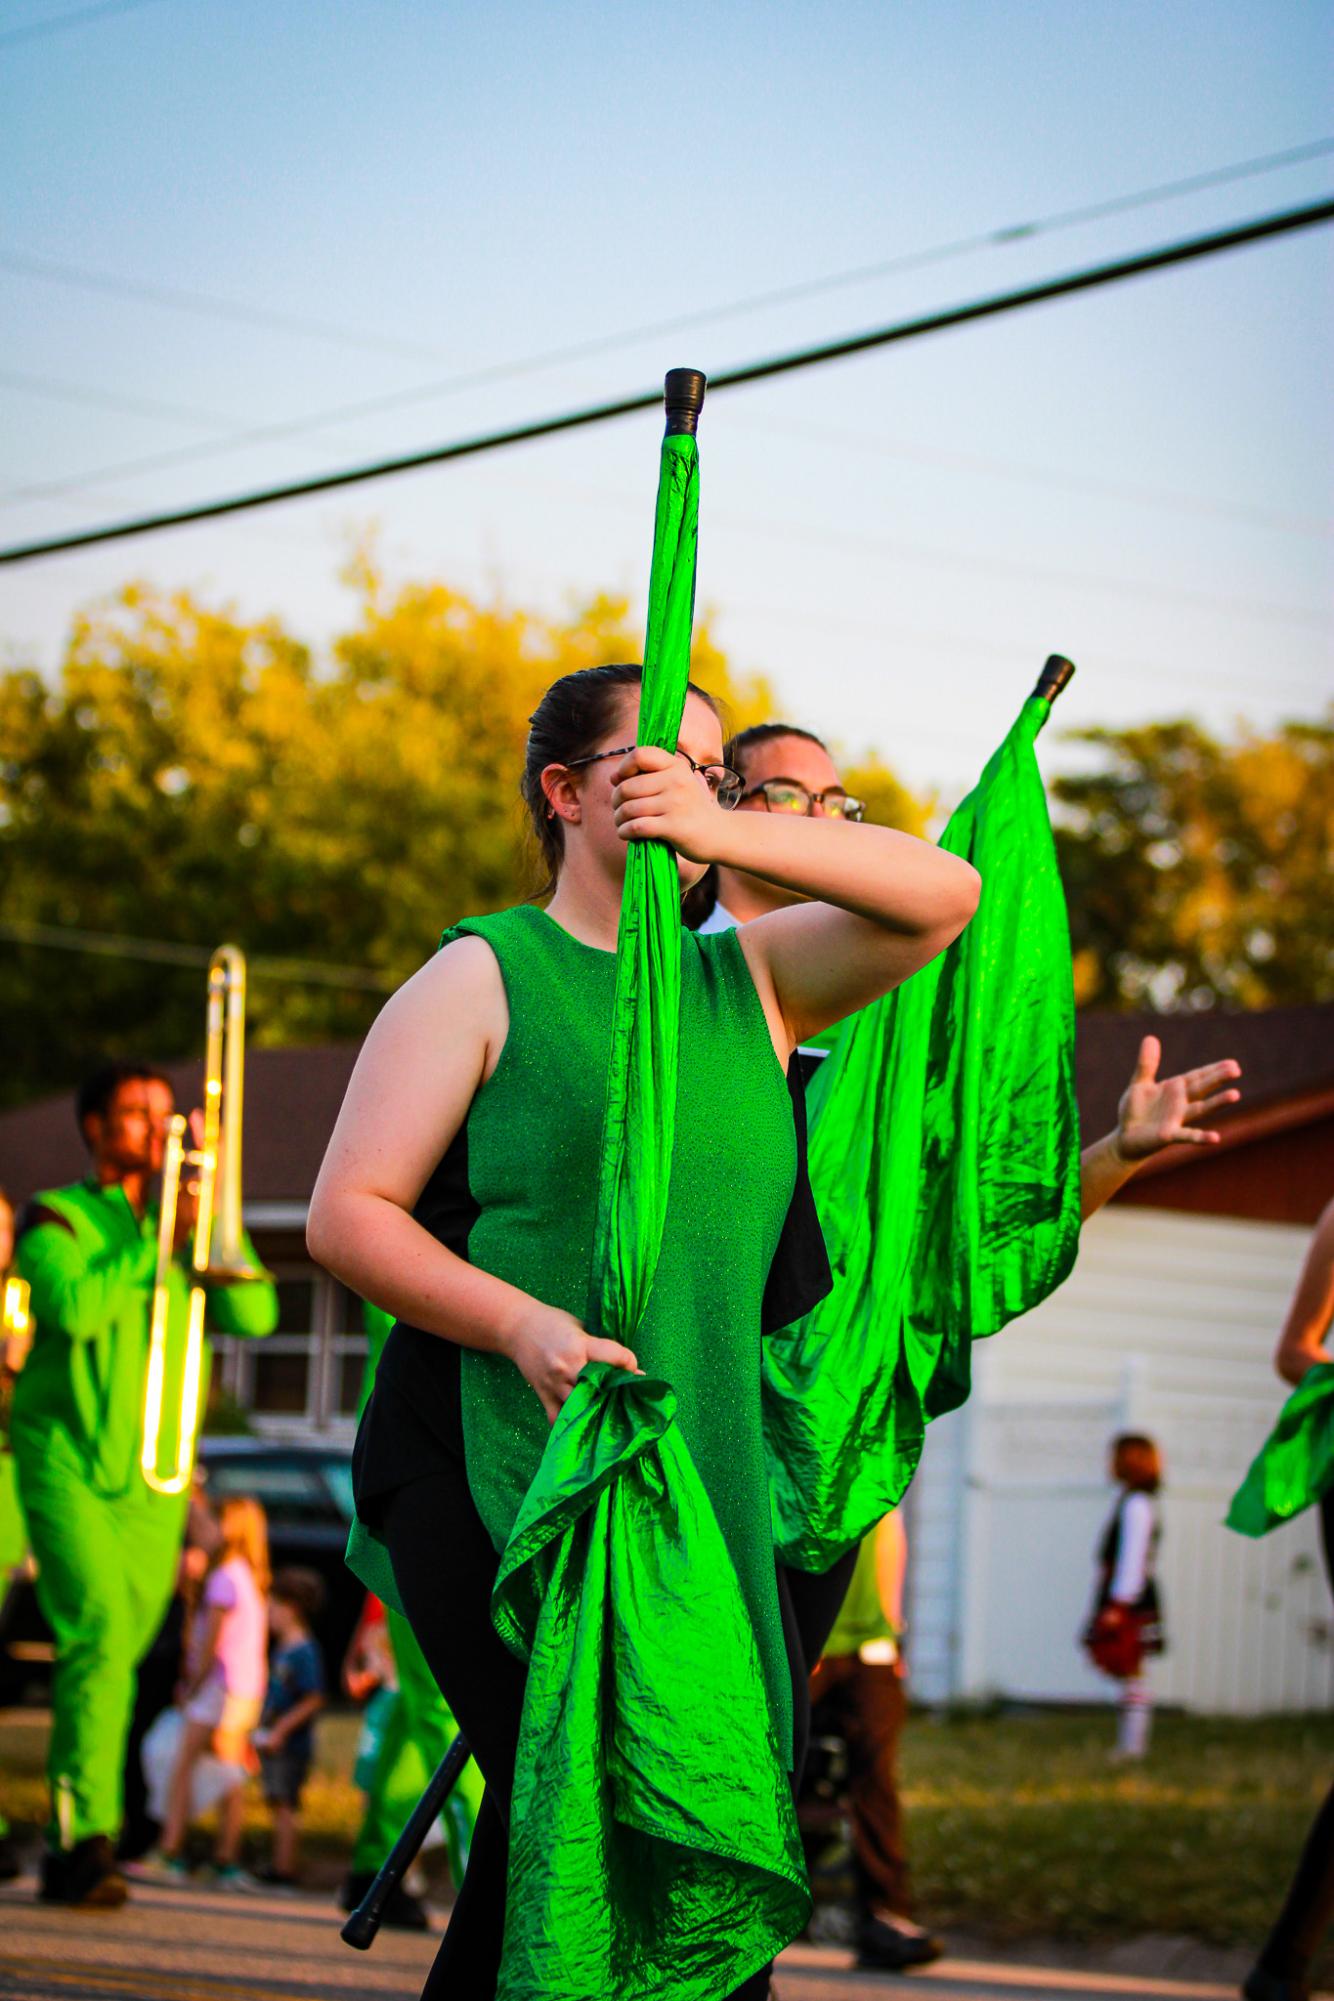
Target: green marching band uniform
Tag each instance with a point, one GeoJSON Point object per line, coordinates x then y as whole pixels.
{"type": "Point", "coordinates": [420, 1728]}
{"type": "Point", "coordinates": [13, 1549]}
{"type": "Point", "coordinates": [106, 1543]}
{"type": "Point", "coordinates": [1294, 1468]}
{"type": "Point", "coordinates": [653, 1842]}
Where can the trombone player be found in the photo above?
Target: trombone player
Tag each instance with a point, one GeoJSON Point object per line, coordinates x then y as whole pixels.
{"type": "Point", "coordinates": [103, 1428]}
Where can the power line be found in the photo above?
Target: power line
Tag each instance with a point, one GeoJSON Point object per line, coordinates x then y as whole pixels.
{"type": "Point", "coordinates": [203, 305]}
{"type": "Point", "coordinates": [1089, 279]}
{"type": "Point", "coordinates": [891, 545]}
{"type": "Point", "coordinates": [110, 399]}
{"type": "Point", "coordinates": [602, 344]}
{"type": "Point", "coordinates": [37, 31]}
{"type": "Point", "coordinates": [1247, 513]}
{"type": "Point", "coordinates": [159, 952]}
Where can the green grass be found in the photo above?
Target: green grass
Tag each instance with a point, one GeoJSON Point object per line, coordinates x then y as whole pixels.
{"type": "Point", "coordinates": [1018, 1826]}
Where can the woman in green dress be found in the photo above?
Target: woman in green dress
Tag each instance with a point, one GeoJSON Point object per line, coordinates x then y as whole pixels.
{"type": "Point", "coordinates": [459, 1190]}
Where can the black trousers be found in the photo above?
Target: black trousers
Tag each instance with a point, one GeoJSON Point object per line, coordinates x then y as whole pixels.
{"type": "Point", "coordinates": [1309, 1906]}
{"type": "Point", "coordinates": [445, 1566]}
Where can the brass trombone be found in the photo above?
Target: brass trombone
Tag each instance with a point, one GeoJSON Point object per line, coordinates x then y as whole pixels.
{"type": "Point", "coordinates": [218, 1160]}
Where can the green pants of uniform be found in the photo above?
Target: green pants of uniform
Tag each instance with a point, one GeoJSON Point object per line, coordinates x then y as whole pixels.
{"type": "Point", "coordinates": [105, 1573]}
{"type": "Point", "coordinates": [13, 1541]}
{"type": "Point", "coordinates": [417, 1736]}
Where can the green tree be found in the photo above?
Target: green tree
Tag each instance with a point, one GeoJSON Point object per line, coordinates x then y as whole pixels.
{"type": "Point", "coordinates": [192, 778]}
{"type": "Point", "coordinates": [1197, 872]}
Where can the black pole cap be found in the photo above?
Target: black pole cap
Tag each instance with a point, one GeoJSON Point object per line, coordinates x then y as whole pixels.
{"type": "Point", "coordinates": [684, 394]}
{"type": "Point", "coordinates": [1057, 674]}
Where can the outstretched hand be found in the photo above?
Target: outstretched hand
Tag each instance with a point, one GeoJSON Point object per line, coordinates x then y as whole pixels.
{"type": "Point", "coordinates": [1159, 1112]}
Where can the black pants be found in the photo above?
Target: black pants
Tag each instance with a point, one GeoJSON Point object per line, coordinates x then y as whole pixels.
{"type": "Point", "coordinates": [445, 1566]}
{"type": "Point", "coordinates": [1309, 1907]}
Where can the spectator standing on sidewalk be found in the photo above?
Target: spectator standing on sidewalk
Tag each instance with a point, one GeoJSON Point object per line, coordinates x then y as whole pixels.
{"type": "Point", "coordinates": [223, 1692]}
{"type": "Point", "coordinates": [285, 1739]}
{"type": "Point", "coordinates": [1126, 1627]}
{"type": "Point", "coordinates": [859, 1693]}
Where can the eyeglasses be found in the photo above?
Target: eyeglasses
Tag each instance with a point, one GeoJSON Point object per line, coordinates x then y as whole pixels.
{"type": "Point", "coordinates": [785, 795]}
{"type": "Point", "coordinates": [724, 783]}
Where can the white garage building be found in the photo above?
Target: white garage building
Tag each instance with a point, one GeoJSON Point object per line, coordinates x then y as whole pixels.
{"type": "Point", "coordinates": [1167, 1325]}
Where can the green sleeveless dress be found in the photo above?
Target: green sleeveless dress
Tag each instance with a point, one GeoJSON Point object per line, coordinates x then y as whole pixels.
{"type": "Point", "coordinates": [534, 1133]}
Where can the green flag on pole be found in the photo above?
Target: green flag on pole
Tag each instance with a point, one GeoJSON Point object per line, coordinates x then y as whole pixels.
{"type": "Point", "coordinates": [653, 1846]}
{"type": "Point", "coordinates": [1294, 1468]}
{"type": "Point", "coordinates": [944, 1157]}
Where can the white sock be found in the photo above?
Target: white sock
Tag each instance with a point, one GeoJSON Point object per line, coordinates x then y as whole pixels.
{"type": "Point", "coordinates": [1133, 1720]}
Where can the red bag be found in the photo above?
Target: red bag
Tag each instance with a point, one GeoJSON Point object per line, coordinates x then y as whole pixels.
{"type": "Point", "coordinates": [1114, 1641]}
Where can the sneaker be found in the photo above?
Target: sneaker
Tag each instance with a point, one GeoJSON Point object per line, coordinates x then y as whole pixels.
{"type": "Point", "coordinates": [85, 1876]}
{"type": "Point", "coordinates": [170, 1872]}
{"type": "Point", "coordinates": [236, 1882]}
{"type": "Point", "coordinates": [276, 1879]}
{"type": "Point", "coordinates": [893, 1944]}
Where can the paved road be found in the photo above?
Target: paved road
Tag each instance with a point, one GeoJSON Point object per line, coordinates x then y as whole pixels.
{"type": "Point", "coordinates": [196, 1945]}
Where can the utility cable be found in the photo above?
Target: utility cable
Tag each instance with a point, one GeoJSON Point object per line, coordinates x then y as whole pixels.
{"type": "Point", "coordinates": [158, 951]}
{"type": "Point", "coordinates": [37, 31]}
{"type": "Point", "coordinates": [1190, 250]}
{"type": "Point", "coordinates": [111, 399]}
{"type": "Point", "coordinates": [584, 350]}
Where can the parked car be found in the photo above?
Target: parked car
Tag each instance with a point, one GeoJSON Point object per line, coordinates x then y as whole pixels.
{"type": "Point", "coordinates": [306, 1491]}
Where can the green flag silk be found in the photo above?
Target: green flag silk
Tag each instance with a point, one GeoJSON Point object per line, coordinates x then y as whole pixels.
{"type": "Point", "coordinates": [1294, 1468]}
{"type": "Point", "coordinates": [653, 1845]}
{"type": "Point", "coordinates": [944, 1157]}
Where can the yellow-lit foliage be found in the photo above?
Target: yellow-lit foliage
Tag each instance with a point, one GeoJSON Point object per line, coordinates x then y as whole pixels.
{"type": "Point", "coordinates": [1198, 872]}
{"type": "Point", "coordinates": [193, 777]}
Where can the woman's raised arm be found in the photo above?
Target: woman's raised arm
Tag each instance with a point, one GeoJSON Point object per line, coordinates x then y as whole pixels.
{"type": "Point", "coordinates": [883, 904]}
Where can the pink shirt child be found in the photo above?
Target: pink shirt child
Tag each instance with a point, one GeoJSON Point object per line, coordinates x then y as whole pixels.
{"type": "Point", "coordinates": [241, 1655]}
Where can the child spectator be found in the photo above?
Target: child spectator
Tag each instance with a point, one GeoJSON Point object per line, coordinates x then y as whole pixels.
{"type": "Point", "coordinates": [285, 1739]}
{"type": "Point", "coordinates": [1126, 1625]}
{"type": "Point", "coordinates": [222, 1695]}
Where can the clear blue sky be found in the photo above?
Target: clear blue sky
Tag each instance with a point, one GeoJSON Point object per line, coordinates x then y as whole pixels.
{"type": "Point", "coordinates": [1140, 478]}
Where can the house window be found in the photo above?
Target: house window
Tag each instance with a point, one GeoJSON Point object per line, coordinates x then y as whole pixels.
{"type": "Point", "coordinates": [307, 1375]}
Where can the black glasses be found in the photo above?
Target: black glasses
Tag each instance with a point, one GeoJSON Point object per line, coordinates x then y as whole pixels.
{"type": "Point", "coordinates": [785, 795]}
{"type": "Point", "coordinates": [724, 783]}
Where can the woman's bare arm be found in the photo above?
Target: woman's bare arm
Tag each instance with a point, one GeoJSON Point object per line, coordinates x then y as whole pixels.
{"type": "Point", "coordinates": [1306, 1329]}
{"type": "Point", "coordinates": [429, 1052]}
{"type": "Point", "coordinates": [1153, 1114]}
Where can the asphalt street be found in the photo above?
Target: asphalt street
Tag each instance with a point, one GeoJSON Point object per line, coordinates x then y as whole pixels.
{"type": "Point", "coordinates": [198, 1945]}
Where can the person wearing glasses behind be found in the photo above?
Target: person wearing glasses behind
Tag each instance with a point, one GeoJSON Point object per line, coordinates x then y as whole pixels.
{"type": "Point", "coordinates": [784, 770]}
{"type": "Point", "coordinates": [849, 1617]}
{"type": "Point", "coordinates": [459, 1190]}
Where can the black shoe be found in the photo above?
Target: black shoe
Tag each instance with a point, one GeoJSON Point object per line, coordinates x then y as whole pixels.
{"type": "Point", "coordinates": [406, 1913]}
{"type": "Point", "coordinates": [354, 1887]}
{"type": "Point", "coordinates": [402, 1913]}
{"type": "Point", "coordinates": [10, 1866]}
{"type": "Point", "coordinates": [895, 1948]}
{"type": "Point", "coordinates": [85, 1875]}
{"type": "Point", "coordinates": [1262, 1985]}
